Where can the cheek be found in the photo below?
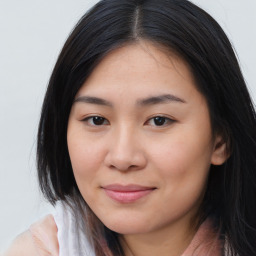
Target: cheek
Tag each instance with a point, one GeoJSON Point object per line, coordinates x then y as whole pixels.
{"type": "Point", "coordinates": [183, 164]}
{"type": "Point", "coordinates": [86, 161]}
{"type": "Point", "coordinates": [179, 156]}
{"type": "Point", "coordinates": [183, 170]}
{"type": "Point", "coordinates": [86, 157]}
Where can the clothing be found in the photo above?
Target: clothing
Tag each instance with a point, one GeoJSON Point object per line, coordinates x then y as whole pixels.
{"type": "Point", "coordinates": [61, 235]}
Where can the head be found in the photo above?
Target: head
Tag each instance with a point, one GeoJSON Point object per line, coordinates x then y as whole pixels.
{"type": "Point", "coordinates": [179, 40]}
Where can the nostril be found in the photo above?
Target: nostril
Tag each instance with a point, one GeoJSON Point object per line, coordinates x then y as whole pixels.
{"type": "Point", "coordinates": [124, 168]}
{"type": "Point", "coordinates": [125, 158]}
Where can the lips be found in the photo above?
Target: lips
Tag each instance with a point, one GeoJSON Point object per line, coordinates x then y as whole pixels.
{"type": "Point", "coordinates": [127, 193]}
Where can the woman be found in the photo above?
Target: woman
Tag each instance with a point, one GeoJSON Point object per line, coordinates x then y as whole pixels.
{"type": "Point", "coordinates": [146, 143]}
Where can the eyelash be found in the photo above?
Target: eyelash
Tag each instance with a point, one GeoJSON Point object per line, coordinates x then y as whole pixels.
{"type": "Point", "coordinates": [90, 118]}
{"type": "Point", "coordinates": [167, 121]}
{"type": "Point", "coordinates": [102, 120]}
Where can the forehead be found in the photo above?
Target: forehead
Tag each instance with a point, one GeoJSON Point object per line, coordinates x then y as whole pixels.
{"type": "Point", "coordinates": [141, 69]}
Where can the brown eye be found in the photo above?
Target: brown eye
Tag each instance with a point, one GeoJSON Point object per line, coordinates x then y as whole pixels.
{"type": "Point", "coordinates": [96, 120]}
{"type": "Point", "coordinates": [159, 120]}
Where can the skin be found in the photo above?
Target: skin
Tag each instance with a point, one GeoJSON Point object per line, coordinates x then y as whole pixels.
{"type": "Point", "coordinates": [128, 147]}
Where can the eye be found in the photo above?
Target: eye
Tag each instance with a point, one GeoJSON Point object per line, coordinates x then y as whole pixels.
{"type": "Point", "coordinates": [160, 121]}
{"type": "Point", "coordinates": [96, 120]}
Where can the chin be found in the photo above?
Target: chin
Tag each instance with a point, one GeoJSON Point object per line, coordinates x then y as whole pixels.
{"type": "Point", "coordinates": [128, 227]}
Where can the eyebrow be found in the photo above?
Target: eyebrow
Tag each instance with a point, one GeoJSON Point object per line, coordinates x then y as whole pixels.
{"type": "Point", "coordinates": [93, 100]}
{"type": "Point", "coordinates": [165, 98]}
{"type": "Point", "coordinates": [161, 99]}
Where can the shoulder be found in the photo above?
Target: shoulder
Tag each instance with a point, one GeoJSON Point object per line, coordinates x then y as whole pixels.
{"type": "Point", "coordinates": [22, 245]}
{"type": "Point", "coordinates": [41, 239]}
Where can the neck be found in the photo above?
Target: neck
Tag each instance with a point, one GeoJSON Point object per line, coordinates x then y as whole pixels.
{"type": "Point", "coordinates": [166, 241]}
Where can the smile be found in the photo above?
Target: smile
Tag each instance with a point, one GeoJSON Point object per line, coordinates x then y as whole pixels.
{"type": "Point", "coordinates": [127, 193]}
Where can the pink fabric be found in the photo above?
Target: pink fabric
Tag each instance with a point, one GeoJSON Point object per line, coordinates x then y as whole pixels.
{"type": "Point", "coordinates": [205, 242]}
{"type": "Point", "coordinates": [44, 233]}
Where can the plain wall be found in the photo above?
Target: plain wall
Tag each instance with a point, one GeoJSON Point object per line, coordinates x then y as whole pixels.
{"type": "Point", "coordinates": [32, 34]}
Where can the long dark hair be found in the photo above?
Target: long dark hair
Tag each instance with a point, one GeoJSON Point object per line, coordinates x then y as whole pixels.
{"type": "Point", "coordinates": [187, 30]}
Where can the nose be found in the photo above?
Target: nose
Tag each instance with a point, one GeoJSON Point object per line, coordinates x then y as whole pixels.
{"type": "Point", "coordinates": [125, 151]}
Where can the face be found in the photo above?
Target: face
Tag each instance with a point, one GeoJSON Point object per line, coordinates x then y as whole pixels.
{"type": "Point", "coordinates": [140, 141]}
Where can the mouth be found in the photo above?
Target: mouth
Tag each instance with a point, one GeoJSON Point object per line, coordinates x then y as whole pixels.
{"type": "Point", "coordinates": [127, 193]}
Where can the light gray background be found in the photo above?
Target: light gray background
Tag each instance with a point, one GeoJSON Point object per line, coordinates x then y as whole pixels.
{"type": "Point", "coordinates": [32, 33]}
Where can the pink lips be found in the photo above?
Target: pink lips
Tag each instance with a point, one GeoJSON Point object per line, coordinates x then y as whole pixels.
{"type": "Point", "coordinates": [127, 193]}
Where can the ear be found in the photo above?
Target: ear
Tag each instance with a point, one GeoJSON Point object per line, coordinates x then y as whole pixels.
{"type": "Point", "coordinates": [220, 152]}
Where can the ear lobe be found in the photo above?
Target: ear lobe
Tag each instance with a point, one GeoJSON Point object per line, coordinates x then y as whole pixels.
{"type": "Point", "coordinates": [220, 152]}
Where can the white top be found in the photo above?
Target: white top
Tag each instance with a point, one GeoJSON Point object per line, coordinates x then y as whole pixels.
{"type": "Point", "coordinates": [72, 240]}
